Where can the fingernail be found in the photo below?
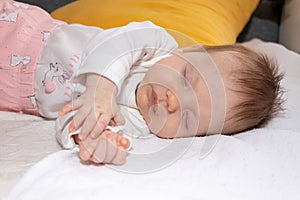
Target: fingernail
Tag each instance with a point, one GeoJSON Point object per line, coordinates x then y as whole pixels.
{"type": "Point", "coordinates": [71, 128]}
{"type": "Point", "coordinates": [85, 155]}
{"type": "Point", "coordinates": [123, 142]}
{"type": "Point", "coordinates": [81, 136]}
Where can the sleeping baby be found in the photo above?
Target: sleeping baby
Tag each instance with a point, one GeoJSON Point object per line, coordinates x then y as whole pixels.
{"type": "Point", "coordinates": [102, 85]}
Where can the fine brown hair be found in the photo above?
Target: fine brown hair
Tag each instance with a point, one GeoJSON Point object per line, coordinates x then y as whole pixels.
{"type": "Point", "coordinates": [259, 89]}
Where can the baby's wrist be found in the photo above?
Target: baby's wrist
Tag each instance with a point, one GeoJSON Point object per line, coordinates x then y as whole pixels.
{"type": "Point", "coordinates": [99, 82]}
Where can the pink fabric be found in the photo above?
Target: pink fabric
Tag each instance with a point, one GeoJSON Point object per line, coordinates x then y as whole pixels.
{"type": "Point", "coordinates": [24, 30]}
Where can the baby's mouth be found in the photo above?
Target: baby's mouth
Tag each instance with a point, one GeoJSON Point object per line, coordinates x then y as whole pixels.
{"type": "Point", "coordinates": [153, 100]}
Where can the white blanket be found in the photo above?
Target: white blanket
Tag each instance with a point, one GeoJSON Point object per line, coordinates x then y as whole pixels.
{"type": "Point", "coordinates": [261, 164]}
{"type": "Point", "coordinates": [258, 164]}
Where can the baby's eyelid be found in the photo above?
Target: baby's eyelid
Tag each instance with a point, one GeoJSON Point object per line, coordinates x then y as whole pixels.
{"type": "Point", "coordinates": [190, 121]}
{"type": "Point", "coordinates": [186, 120]}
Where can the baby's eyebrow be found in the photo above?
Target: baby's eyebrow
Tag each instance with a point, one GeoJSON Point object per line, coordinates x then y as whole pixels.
{"type": "Point", "coordinates": [196, 83]}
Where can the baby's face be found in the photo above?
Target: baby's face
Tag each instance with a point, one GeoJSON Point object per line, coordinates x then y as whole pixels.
{"type": "Point", "coordinates": [174, 98]}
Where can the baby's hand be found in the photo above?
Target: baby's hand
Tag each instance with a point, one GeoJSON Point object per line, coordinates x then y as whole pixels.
{"type": "Point", "coordinates": [96, 108]}
{"type": "Point", "coordinates": [109, 148]}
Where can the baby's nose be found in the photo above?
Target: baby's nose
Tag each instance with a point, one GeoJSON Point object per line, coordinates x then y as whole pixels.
{"type": "Point", "coordinates": [172, 102]}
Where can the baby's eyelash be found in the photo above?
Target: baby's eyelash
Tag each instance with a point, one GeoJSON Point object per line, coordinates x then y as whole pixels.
{"type": "Point", "coordinates": [186, 119]}
{"type": "Point", "coordinates": [189, 121]}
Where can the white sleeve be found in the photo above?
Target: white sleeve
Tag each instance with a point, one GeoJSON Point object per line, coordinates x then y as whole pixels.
{"type": "Point", "coordinates": [63, 136]}
{"type": "Point", "coordinates": [113, 52]}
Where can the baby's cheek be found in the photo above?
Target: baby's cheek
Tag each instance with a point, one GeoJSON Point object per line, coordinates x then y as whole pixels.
{"type": "Point", "coordinates": [142, 103]}
{"type": "Point", "coordinates": [158, 118]}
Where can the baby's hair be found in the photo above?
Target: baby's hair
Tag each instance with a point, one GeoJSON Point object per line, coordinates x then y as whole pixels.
{"type": "Point", "coordinates": [257, 81]}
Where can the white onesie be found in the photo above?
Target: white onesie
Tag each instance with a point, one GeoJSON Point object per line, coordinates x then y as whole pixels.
{"type": "Point", "coordinates": [121, 54]}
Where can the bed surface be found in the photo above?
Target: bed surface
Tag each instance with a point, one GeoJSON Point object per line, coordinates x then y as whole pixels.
{"type": "Point", "coordinates": [258, 164]}
{"type": "Point", "coordinates": [24, 140]}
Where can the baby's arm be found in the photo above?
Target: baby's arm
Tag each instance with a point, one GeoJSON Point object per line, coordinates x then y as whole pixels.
{"type": "Point", "coordinates": [113, 52]}
{"type": "Point", "coordinates": [116, 50]}
{"type": "Point", "coordinates": [96, 107]}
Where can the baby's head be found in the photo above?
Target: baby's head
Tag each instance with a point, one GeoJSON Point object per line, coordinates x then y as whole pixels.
{"type": "Point", "coordinates": [197, 90]}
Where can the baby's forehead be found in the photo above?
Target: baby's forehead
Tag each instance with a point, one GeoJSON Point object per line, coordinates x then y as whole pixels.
{"type": "Point", "coordinates": [216, 67]}
{"type": "Point", "coordinates": [206, 65]}
{"type": "Point", "coordinates": [223, 63]}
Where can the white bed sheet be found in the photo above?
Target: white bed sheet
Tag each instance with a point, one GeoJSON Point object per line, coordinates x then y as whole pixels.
{"type": "Point", "coordinates": [261, 164]}
{"type": "Point", "coordinates": [24, 140]}
{"type": "Point", "coordinates": [258, 164]}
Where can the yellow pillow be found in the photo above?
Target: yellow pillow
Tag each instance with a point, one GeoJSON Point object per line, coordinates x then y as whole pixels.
{"type": "Point", "coordinates": [211, 22]}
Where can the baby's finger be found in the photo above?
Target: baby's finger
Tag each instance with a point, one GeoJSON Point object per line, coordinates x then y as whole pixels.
{"type": "Point", "coordinates": [119, 119]}
{"type": "Point", "coordinates": [102, 123]}
{"type": "Point", "coordinates": [120, 157]}
{"type": "Point", "coordinates": [97, 130]}
{"type": "Point", "coordinates": [100, 151]}
{"type": "Point", "coordinates": [73, 105]}
{"type": "Point", "coordinates": [123, 142]}
{"type": "Point", "coordinates": [84, 152]}
{"type": "Point", "coordinates": [78, 119]}
{"type": "Point", "coordinates": [87, 126]}
{"type": "Point", "coordinates": [111, 146]}
{"type": "Point", "coordinates": [92, 159]}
